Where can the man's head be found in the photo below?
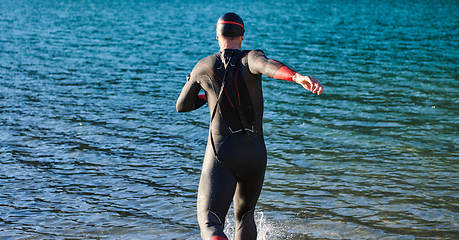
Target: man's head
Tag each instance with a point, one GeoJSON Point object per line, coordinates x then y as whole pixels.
{"type": "Point", "coordinates": [230, 25]}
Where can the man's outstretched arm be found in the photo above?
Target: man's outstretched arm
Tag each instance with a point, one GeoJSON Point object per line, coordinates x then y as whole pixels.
{"type": "Point", "coordinates": [260, 64]}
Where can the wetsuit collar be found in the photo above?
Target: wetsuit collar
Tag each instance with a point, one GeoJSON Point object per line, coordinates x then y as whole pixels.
{"type": "Point", "coordinates": [229, 49]}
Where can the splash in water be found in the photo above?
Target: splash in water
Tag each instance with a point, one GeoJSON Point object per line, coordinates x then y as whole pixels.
{"type": "Point", "coordinates": [265, 228]}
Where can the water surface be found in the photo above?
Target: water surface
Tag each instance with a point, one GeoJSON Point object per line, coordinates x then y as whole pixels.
{"type": "Point", "coordinates": [91, 145]}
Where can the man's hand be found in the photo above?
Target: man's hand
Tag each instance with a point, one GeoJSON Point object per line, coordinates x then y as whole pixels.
{"type": "Point", "coordinates": [309, 83]}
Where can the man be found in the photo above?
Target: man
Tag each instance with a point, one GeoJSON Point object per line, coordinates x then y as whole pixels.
{"type": "Point", "coordinates": [235, 160]}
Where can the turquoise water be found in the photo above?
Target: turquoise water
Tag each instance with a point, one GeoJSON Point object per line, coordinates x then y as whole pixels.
{"type": "Point", "coordinates": [91, 146]}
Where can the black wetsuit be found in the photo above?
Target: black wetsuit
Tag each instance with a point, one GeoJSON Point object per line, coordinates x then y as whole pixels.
{"type": "Point", "coordinates": [235, 160]}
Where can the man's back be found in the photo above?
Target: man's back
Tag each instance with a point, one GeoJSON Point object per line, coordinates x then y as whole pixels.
{"type": "Point", "coordinates": [240, 104]}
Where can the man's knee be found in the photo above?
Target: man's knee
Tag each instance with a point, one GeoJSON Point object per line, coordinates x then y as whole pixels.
{"type": "Point", "coordinates": [247, 217]}
{"type": "Point", "coordinates": [245, 226]}
{"type": "Point", "coordinates": [210, 218]}
{"type": "Point", "coordinates": [240, 216]}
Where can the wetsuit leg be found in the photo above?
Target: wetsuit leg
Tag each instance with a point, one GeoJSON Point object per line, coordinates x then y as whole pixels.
{"type": "Point", "coordinates": [245, 156]}
{"type": "Point", "coordinates": [246, 197]}
{"type": "Point", "coordinates": [215, 194]}
{"type": "Point", "coordinates": [248, 190]}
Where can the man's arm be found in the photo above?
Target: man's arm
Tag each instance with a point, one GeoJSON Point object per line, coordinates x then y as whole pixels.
{"type": "Point", "coordinates": [189, 98]}
{"type": "Point", "coordinates": [260, 64]}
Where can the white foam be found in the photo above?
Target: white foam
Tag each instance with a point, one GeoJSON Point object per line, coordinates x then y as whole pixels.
{"type": "Point", "coordinates": [265, 228]}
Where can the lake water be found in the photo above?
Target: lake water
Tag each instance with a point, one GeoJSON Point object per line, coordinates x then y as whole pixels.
{"type": "Point", "coordinates": [91, 146]}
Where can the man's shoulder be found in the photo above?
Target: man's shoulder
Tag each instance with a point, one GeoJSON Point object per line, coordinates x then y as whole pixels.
{"type": "Point", "coordinates": [209, 59]}
{"type": "Point", "coordinates": [254, 55]}
{"type": "Point", "coordinates": [203, 66]}
{"type": "Point", "coordinates": [256, 52]}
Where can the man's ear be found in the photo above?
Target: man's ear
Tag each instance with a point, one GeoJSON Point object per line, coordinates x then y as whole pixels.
{"type": "Point", "coordinates": [242, 37]}
{"type": "Point", "coordinates": [217, 37]}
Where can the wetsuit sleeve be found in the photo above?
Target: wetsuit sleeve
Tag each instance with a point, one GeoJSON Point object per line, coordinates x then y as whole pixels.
{"type": "Point", "coordinates": [189, 98]}
{"type": "Point", "coordinates": [260, 64]}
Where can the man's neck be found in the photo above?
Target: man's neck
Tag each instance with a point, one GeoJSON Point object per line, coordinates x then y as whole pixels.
{"type": "Point", "coordinates": [230, 45]}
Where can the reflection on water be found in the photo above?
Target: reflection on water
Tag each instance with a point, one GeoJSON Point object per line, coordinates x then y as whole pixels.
{"type": "Point", "coordinates": [91, 145]}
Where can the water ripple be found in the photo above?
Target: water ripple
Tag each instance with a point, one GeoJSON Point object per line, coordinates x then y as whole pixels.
{"type": "Point", "coordinates": [91, 145]}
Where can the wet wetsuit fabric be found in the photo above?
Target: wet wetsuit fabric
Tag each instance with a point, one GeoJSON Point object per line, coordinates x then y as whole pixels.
{"type": "Point", "coordinates": [235, 160]}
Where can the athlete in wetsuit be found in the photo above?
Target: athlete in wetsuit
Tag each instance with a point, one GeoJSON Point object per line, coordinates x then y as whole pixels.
{"type": "Point", "coordinates": [235, 160]}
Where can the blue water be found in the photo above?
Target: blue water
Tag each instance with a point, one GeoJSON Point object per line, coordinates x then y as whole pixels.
{"type": "Point", "coordinates": [91, 146]}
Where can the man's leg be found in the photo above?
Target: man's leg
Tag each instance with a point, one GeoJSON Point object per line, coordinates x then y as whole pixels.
{"type": "Point", "coordinates": [216, 190]}
{"type": "Point", "coordinates": [245, 199]}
